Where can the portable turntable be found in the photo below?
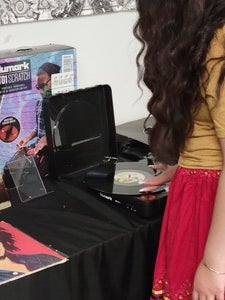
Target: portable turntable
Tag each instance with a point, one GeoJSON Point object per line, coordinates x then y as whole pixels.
{"type": "Point", "coordinates": [81, 136]}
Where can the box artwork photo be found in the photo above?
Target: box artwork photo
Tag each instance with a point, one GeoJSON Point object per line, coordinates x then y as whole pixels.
{"type": "Point", "coordinates": [27, 76]}
{"type": "Point", "coordinates": [22, 255]}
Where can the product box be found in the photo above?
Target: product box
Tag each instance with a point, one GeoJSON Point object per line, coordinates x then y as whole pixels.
{"type": "Point", "coordinates": [27, 76]}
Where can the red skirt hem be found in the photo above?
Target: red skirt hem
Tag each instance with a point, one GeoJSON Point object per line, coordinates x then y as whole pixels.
{"type": "Point", "coordinates": [184, 231]}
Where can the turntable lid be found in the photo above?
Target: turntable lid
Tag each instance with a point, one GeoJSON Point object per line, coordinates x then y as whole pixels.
{"type": "Point", "coordinates": [80, 129]}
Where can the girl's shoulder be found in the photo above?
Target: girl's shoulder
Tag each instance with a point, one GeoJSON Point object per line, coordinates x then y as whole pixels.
{"type": "Point", "coordinates": [217, 45]}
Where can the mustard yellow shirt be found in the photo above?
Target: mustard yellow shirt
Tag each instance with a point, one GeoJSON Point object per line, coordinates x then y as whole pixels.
{"type": "Point", "coordinates": [202, 149]}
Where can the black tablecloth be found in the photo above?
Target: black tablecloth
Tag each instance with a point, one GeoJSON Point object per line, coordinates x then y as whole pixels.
{"type": "Point", "coordinates": [111, 250]}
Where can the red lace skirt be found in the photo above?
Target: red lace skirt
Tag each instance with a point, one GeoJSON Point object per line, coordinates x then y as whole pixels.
{"type": "Point", "coordinates": [184, 231]}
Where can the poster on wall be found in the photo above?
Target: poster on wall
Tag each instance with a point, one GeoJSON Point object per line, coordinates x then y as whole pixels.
{"type": "Point", "coordinates": [19, 11]}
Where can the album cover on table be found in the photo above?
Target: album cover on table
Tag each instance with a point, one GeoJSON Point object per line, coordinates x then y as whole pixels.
{"type": "Point", "coordinates": [21, 255]}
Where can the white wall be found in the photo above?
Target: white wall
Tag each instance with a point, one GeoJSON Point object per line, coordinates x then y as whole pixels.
{"type": "Point", "coordinates": [106, 51]}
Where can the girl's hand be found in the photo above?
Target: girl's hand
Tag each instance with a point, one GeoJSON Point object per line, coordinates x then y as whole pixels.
{"type": "Point", "coordinates": [208, 285]}
{"type": "Point", "coordinates": [164, 177]}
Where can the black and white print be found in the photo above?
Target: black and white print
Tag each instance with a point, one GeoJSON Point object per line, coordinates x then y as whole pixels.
{"type": "Point", "coordinates": [18, 11]}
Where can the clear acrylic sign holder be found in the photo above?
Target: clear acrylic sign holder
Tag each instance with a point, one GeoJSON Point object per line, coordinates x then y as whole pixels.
{"type": "Point", "coordinates": [26, 178]}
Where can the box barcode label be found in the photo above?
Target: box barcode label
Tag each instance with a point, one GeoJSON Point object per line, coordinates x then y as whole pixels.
{"type": "Point", "coordinates": [67, 63]}
{"type": "Point", "coordinates": [62, 83]}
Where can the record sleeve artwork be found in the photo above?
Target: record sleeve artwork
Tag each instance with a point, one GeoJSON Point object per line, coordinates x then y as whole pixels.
{"type": "Point", "coordinates": [22, 255]}
{"type": "Point", "coordinates": [18, 11]}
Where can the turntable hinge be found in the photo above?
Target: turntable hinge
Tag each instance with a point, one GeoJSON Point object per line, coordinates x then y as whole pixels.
{"type": "Point", "coordinates": [110, 158]}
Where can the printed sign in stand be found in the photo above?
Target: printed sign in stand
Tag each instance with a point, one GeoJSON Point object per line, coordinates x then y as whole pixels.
{"type": "Point", "coordinates": [26, 178]}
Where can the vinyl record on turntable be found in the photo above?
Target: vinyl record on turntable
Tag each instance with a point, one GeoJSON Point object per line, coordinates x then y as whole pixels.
{"type": "Point", "coordinates": [121, 178]}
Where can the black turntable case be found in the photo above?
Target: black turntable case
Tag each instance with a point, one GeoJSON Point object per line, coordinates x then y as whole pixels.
{"type": "Point", "coordinates": [80, 129]}
{"type": "Point", "coordinates": [81, 134]}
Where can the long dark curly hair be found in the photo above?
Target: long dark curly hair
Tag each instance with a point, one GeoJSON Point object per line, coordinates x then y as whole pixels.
{"type": "Point", "coordinates": [175, 36]}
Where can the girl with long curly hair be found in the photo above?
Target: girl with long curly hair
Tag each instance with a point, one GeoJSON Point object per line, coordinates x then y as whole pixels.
{"type": "Point", "coordinates": [182, 62]}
